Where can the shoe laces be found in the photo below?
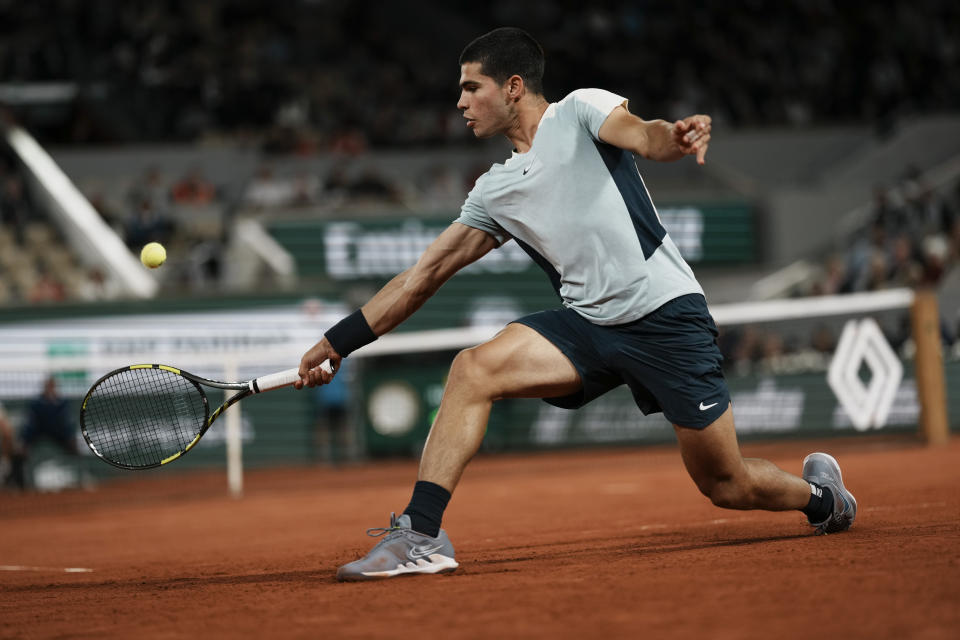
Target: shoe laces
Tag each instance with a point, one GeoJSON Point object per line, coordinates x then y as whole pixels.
{"type": "Point", "coordinates": [376, 532]}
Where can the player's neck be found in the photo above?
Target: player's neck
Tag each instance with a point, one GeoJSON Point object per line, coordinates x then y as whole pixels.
{"type": "Point", "coordinates": [524, 129]}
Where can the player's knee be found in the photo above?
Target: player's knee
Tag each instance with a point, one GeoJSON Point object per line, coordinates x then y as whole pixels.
{"type": "Point", "coordinates": [729, 495]}
{"type": "Point", "coordinates": [473, 371]}
{"type": "Point", "coordinates": [727, 492]}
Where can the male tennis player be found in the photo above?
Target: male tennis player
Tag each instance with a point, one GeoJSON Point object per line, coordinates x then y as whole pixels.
{"type": "Point", "coordinates": [632, 312]}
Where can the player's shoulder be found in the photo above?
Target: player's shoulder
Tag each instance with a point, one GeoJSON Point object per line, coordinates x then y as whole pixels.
{"type": "Point", "coordinates": [567, 104]}
{"type": "Point", "coordinates": [496, 170]}
{"type": "Point", "coordinates": [589, 95]}
{"type": "Point", "coordinates": [485, 177]}
{"type": "Point", "coordinates": [584, 93]}
{"type": "Point", "coordinates": [588, 108]}
{"type": "Point", "coordinates": [587, 104]}
{"type": "Point", "coordinates": [483, 181]}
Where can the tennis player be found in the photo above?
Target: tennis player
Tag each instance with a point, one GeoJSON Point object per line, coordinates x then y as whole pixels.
{"type": "Point", "coordinates": [633, 313]}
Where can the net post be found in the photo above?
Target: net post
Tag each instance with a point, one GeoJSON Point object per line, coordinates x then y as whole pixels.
{"type": "Point", "coordinates": [931, 389]}
{"type": "Point", "coordinates": [234, 437]}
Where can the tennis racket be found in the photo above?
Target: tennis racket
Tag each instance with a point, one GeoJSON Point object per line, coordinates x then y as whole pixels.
{"type": "Point", "coordinates": [147, 415]}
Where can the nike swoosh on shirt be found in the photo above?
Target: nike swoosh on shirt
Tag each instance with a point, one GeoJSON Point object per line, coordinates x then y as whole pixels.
{"type": "Point", "coordinates": [704, 407]}
{"type": "Point", "coordinates": [526, 170]}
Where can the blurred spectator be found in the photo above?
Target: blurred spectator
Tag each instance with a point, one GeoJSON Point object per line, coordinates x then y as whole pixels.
{"type": "Point", "coordinates": [14, 205]}
{"type": "Point", "coordinates": [823, 340]}
{"type": "Point", "coordinates": [337, 183]}
{"type": "Point", "coordinates": [289, 140]}
{"type": "Point", "coordinates": [905, 269]}
{"type": "Point", "coordinates": [928, 213]}
{"type": "Point", "coordinates": [46, 289]}
{"type": "Point", "coordinates": [889, 215]}
{"type": "Point", "coordinates": [147, 224]}
{"type": "Point", "coordinates": [772, 353]}
{"type": "Point", "coordinates": [48, 416]}
{"type": "Point", "coordinates": [348, 141]}
{"type": "Point", "coordinates": [332, 428]}
{"type": "Point", "coordinates": [266, 191]}
{"type": "Point", "coordinates": [151, 189]}
{"type": "Point", "coordinates": [96, 286]}
{"type": "Point", "coordinates": [306, 190]}
{"type": "Point", "coordinates": [835, 279]}
{"type": "Point", "coordinates": [370, 186]}
{"type": "Point", "coordinates": [193, 189]}
{"type": "Point", "coordinates": [373, 186]}
{"type": "Point", "coordinates": [876, 271]}
{"type": "Point", "coordinates": [742, 347]}
{"type": "Point", "coordinates": [862, 256]}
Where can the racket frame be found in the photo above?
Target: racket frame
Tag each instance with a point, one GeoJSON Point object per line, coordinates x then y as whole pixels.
{"type": "Point", "coordinates": [245, 389]}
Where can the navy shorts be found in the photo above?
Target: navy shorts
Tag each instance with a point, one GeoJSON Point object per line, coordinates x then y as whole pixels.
{"type": "Point", "coordinates": [668, 358]}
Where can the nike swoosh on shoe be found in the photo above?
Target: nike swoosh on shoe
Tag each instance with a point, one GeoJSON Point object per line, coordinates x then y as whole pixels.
{"type": "Point", "coordinates": [415, 553]}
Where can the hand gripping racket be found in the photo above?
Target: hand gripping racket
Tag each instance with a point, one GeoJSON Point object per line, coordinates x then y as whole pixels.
{"type": "Point", "coordinates": [147, 415]}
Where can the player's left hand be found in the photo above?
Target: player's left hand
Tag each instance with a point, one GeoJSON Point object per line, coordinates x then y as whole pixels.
{"type": "Point", "coordinates": [692, 135]}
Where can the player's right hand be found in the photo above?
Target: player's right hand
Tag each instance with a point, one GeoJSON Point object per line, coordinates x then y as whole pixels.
{"type": "Point", "coordinates": [311, 374]}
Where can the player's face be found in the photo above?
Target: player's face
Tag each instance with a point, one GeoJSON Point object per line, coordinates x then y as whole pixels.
{"type": "Point", "coordinates": [483, 102]}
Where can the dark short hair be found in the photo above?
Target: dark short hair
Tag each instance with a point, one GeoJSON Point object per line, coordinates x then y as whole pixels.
{"type": "Point", "coordinates": [505, 52]}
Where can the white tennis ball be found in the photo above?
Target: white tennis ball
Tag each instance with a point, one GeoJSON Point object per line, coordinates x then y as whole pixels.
{"type": "Point", "coordinates": [153, 255]}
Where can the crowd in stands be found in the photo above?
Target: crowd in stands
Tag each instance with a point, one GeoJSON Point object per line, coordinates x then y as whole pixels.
{"type": "Point", "coordinates": [38, 267]}
{"type": "Point", "coordinates": [305, 75]}
{"type": "Point", "coordinates": [910, 239]}
{"type": "Point", "coordinates": [24, 275]}
{"type": "Point", "coordinates": [184, 213]}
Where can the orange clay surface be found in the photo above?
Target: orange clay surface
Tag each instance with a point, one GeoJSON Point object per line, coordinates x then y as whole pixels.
{"type": "Point", "coordinates": [596, 544]}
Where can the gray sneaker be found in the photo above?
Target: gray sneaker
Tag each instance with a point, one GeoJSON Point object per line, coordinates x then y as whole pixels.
{"type": "Point", "coordinates": [402, 551]}
{"type": "Point", "coordinates": [823, 469]}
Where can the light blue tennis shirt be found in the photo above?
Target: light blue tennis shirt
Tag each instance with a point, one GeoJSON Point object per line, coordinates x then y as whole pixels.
{"type": "Point", "coordinates": [580, 209]}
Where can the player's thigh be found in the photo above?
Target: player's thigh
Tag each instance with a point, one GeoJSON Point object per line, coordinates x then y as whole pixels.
{"type": "Point", "coordinates": [518, 363]}
{"type": "Point", "coordinates": [711, 454]}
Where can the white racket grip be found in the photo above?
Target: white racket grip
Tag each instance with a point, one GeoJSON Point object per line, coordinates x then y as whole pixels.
{"type": "Point", "coordinates": [282, 378]}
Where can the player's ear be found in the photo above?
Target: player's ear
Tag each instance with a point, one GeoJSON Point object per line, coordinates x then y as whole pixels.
{"type": "Point", "coordinates": [515, 87]}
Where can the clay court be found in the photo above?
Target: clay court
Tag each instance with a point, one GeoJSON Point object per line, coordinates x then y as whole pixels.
{"type": "Point", "coordinates": [604, 543]}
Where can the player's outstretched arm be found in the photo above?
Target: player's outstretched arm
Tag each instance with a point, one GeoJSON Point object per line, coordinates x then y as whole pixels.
{"type": "Point", "coordinates": [657, 139]}
{"type": "Point", "coordinates": [455, 248]}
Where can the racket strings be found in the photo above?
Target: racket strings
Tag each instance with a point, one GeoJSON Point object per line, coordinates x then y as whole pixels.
{"type": "Point", "coordinates": [140, 417]}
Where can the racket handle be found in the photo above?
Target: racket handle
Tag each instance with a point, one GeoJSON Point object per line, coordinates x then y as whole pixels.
{"type": "Point", "coordinates": [282, 378]}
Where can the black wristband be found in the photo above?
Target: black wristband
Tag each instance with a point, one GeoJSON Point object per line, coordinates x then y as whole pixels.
{"type": "Point", "coordinates": [350, 334]}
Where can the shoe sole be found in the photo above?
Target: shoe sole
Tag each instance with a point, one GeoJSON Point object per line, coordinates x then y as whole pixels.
{"type": "Point", "coordinates": [846, 495]}
{"type": "Point", "coordinates": [438, 564]}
